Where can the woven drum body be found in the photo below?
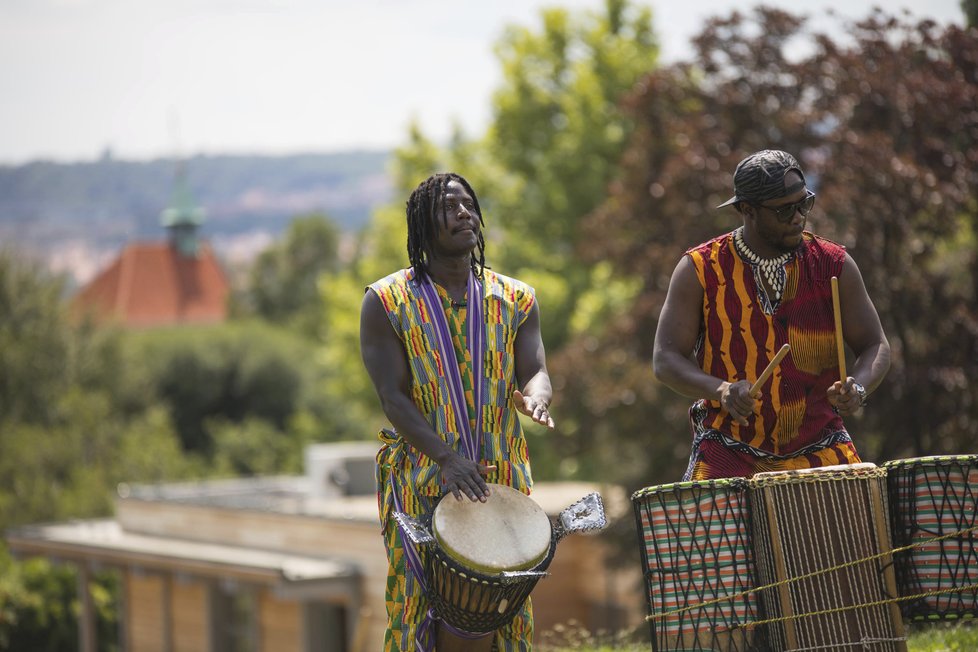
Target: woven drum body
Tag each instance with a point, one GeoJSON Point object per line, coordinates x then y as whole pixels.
{"type": "Point", "coordinates": [476, 543]}
{"type": "Point", "coordinates": [696, 549]}
{"type": "Point", "coordinates": [933, 497]}
{"type": "Point", "coordinates": [830, 522]}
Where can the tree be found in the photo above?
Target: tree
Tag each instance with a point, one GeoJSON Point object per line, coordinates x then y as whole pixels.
{"type": "Point", "coordinates": [887, 130]}
{"type": "Point", "coordinates": [283, 286]}
{"type": "Point", "coordinates": [557, 134]}
{"type": "Point", "coordinates": [206, 377]}
{"type": "Point", "coordinates": [32, 320]}
{"type": "Point", "coordinates": [69, 432]}
{"type": "Point", "coordinates": [970, 9]}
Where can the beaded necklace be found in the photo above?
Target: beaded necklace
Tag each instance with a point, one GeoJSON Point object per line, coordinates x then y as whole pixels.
{"type": "Point", "coordinates": [771, 269]}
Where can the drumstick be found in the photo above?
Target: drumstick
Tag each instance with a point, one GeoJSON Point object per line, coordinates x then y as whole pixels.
{"type": "Point", "coordinates": [755, 389]}
{"type": "Point", "coordinates": [838, 330]}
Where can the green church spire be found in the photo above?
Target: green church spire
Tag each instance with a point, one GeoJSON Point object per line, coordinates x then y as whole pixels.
{"type": "Point", "coordinates": [183, 217]}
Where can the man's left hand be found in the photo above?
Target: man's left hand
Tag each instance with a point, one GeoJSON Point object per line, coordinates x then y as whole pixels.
{"type": "Point", "coordinates": [533, 407]}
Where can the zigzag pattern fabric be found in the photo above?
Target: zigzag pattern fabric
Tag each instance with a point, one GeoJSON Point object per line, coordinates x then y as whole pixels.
{"type": "Point", "coordinates": [795, 426]}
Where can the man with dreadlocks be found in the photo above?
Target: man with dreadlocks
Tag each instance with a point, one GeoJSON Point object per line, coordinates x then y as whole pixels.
{"type": "Point", "coordinates": [454, 351]}
{"type": "Point", "coordinates": [731, 305]}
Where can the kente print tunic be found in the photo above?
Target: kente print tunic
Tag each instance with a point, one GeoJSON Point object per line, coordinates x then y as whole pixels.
{"type": "Point", "coordinates": [795, 426]}
{"type": "Point", "coordinates": [416, 479]}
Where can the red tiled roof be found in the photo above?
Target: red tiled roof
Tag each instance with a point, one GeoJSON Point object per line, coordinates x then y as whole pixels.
{"type": "Point", "coordinates": [152, 284]}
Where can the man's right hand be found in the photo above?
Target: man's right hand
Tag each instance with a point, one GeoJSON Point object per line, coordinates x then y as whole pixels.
{"type": "Point", "coordinates": [735, 398]}
{"type": "Point", "coordinates": [462, 476]}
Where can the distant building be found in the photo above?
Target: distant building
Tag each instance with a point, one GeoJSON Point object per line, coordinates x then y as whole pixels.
{"type": "Point", "coordinates": [294, 563]}
{"type": "Point", "coordinates": [149, 284]}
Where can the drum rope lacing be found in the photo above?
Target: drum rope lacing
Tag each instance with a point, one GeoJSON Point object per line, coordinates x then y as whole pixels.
{"type": "Point", "coordinates": [848, 564]}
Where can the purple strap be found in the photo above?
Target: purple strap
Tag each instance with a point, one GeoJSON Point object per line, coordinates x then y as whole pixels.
{"type": "Point", "coordinates": [471, 441]}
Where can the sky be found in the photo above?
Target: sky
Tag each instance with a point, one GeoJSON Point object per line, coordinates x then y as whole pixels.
{"type": "Point", "coordinates": [154, 78]}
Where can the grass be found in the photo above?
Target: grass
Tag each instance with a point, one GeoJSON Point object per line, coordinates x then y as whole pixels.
{"type": "Point", "coordinates": [944, 637]}
{"type": "Point", "coordinates": [922, 637]}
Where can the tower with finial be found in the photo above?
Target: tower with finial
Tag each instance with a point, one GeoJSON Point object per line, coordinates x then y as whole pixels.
{"type": "Point", "coordinates": [182, 218]}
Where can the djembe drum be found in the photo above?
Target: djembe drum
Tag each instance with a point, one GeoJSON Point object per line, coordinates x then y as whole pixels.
{"type": "Point", "coordinates": [482, 560]}
{"type": "Point", "coordinates": [477, 542]}
{"type": "Point", "coordinates": [931, 498]}
{"type": "Point", "coordinates": [698, 568]}
{"type": "Point", "coordinates": [822, 542]}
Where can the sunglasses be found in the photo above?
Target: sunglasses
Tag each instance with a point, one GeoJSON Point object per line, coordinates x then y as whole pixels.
{"type": "Point", "coordinates": [787, 212]}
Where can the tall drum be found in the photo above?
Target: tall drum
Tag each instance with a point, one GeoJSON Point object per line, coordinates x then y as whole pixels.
{"type": "Point", "coordinates": [813, 529]}
{"type": "Point", "coordinates": [930, 498]}
{"type": "Point", "coordinates": [699, 573]}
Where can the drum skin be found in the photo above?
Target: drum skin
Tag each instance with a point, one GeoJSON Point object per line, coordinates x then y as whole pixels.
{"type": "Point", "coordinates": [508, 532]}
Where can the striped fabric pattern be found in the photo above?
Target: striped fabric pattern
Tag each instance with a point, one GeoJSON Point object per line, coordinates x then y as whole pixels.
{"type": "Point", "coordinates": [507, 304]}
{"type": "Point", "coordinates": [739, 339]}
{"type": "Point", "coordinates": [400, 467]}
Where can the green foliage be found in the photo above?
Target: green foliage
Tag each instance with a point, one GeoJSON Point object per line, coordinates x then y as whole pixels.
{"type": "Point", "coordinates": [950, 637]}
{"type": "Point", "coordinates": [360, 417]}
{"type": "Point", "coordinates": [39, 606]}
{"type": "Point", "coordinates": [68, 418]}
{"type": "Point", "coordinates": [556, 138]}
{"type": "Point", "coordinates": [233, 372]}
{"type": "Point", "coordinates": [36, 602]}
{"type": "Point", "coordinates": [283, 280]}
{"type": "Point", "coordinates": [943, 637]}
{"type": "Point", "coordinates": [70, 469]}
{"type": "Point", "coordinates": [31, 321]}
{"type": "Point", "coordinates": [970, 9]}
{"type": "Point", "coordinates": [573, 636]}
{"type": "Point", "coordinates": [254, 447]}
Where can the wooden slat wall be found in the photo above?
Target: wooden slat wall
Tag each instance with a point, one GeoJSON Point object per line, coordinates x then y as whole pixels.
{"type": "Point", "coordinates": [280, 624]}
{"type": "Point", "coordinates": [190, 612]}
{"type": "Point", "coordinates": [350, 540]}
{"type": "Point", "coordinates": [145, 594]}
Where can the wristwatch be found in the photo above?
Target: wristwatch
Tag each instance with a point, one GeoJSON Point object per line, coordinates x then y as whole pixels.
{"type": "Point", "coordinates": [861, 391]}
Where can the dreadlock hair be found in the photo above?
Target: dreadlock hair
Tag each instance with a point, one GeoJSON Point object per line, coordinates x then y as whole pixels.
{"type": "Point", "coordinates": [423, 224]}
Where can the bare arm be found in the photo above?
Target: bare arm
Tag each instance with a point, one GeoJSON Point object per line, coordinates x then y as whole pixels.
{"type": "Point", "coordinates": [386, 362]}
{"type": "Point", "coordinates": [675, 339]}
{"type": "Point", "coordinates": [535, 393]}
{"type": "Point", "coordinates": [863, 332]}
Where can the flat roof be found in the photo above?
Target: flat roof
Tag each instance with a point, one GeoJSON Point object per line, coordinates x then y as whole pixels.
{"type": "Point", "coordinates": [292, 495]}
{"type": "Point", "coordinates": [105, 541]}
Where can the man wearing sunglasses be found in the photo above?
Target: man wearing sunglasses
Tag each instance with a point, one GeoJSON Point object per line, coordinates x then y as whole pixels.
{"type": "Point", "coordinates": [735, 300]}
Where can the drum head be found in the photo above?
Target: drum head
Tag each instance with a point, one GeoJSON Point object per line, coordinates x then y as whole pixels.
{"type": "Point", "coordinates": [508, 532]}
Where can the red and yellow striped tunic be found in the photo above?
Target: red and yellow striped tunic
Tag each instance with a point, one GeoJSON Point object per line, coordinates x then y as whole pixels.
{"type": "Point", "coordinates": [795, 426]}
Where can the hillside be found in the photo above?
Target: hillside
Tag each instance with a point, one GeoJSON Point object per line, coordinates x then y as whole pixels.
{"type": "Point", "coordinates": [76, 216]}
